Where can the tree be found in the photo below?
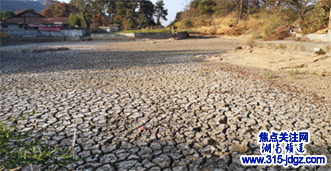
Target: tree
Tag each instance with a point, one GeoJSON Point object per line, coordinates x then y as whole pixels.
{"type": "Point", "coordinates": [206, 8]}
{"type": "Point", "coordinates": [82, 20]}
{"type": "Point", "coordinates": [6, 14]}
{"type": "Point", "coordinates": [133, 12]}
{"type": "Point", "coordinates": [301, 7]}
{"type": "Point", "coordinates": [83, 6]}
{"type": "Point", "coordinates": [73, 20]}
{"type": "Point", "coordinates": [78, 6]}
{"type": "Point", "coordinates": [140, 20]}
{"type": "Point", "coordinates": [326, 4]}
{"type": "Point", "coordinates": [127, 24]}
{"type": "Point", "coordinates": [111, 9]}
{"type": "Point", "coordinates": [22, 10]}
{"type": "Point", "coordinates": [147, 8]}
{"type": "Point", "coordinates": [61, 10]}
{"type": "Point", "coordinates": [160, 12]}
{"type": "Point", "coordinates": [240, 11]}
{"type": "Point", "coordinates": [99, 20]}
{"type": "Point", "coordinates": [118, 21]}
{"type": "Point", "coordinates": [126, 9]}
{"type": "Point", "coordinates": [77, 19]}
{"type": "Point", "coordinates": [316, 18]}
{"type": "Point", "coordinates": [56, 9]}
{"type": "Point", "coordinates": [47, 12]}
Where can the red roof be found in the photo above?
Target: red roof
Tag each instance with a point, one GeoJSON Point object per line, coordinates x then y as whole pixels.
{"type": "Point", "coordinates": [30, 20]}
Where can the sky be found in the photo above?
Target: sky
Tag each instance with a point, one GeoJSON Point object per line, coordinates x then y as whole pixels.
{"type": "Point", "coordinates": [173, 7]}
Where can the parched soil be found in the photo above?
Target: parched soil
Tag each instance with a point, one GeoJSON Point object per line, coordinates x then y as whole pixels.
{"type": "Point", "coordinates": [307, 69]}
{"type": "Point", "coordinates": [156, 105]}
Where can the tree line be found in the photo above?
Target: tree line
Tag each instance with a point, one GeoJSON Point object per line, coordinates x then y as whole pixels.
{"type": "Point", "coordinates": [6, 14]}
{"type": "Point", "coordinates": [128, 14]}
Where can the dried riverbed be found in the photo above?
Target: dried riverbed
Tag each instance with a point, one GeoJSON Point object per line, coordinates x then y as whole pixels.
{"type": "Point", "coordinates": [194, 112]}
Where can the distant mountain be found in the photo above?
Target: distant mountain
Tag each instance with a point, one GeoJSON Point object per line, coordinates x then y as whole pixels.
{"type": "Point", "coordinates": [14, 5]}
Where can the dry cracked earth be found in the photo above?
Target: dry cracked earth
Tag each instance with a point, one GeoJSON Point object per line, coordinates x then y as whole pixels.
{"type": "Point", "coordinates": [196, 115]}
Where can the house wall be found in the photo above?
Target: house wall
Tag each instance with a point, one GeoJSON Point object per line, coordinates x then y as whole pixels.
{"type": "Point", "coordinates": [38, 33]}
{"type": "Point", "coordinates": [141, 35]}
{"type": "Point", "coordinates": [106, 28]}
{"type": "Point", "coordinates": [11, 27]}
{"type": "Point", "coordinates": [64, 33]}
{"type": "Point", "coordinates": [159, 35]}
{"type": "Point", "coordinates": [23, 33]}
{"type": "Point", "coordinates": [114, 28]}
{"type": "Point", "coordinates": [17, 28]}
{"type": "Point", "coordinates": [114, 35]}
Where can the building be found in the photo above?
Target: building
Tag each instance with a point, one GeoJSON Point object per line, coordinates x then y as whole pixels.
{"type": "Point", "coordinates": [30, 20]}
{"type": "Point", "coordinates": [111, 28]}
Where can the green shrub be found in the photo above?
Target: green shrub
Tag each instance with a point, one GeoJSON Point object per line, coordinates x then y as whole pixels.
{"type": "Point", "coordinates": [127, 24]}
{"type": "Point", "coordinates": [184, 24]}
{"type": "Point", "coordinates": [314, 20]}
{"type": "Point", "coordinates": [294, 73]}
{"type": "Point", "coordinates": [275, 28]}
{"type": "Point", "coordinates": [16, 152]}
{"type": "Point", "coordinates": [77, 19]}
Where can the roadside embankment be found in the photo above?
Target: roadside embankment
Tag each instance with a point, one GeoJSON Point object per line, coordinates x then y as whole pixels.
{"type": "Point", "coordinates": [294, 46]}
{"type": "Point", "coordinates": [114, 36]}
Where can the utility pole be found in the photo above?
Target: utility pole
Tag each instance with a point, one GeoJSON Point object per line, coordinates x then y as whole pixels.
{"type": "Point", "coordinates": [330, 19]}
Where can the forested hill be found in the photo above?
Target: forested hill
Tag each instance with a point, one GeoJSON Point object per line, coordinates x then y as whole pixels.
{"type": "Point", "coordinates": [15, 5]}
{"type": "Point", "coordinates": [267, 19]}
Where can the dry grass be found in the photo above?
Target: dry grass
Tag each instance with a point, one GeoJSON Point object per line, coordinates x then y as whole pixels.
{"type": "Point", "coordinates": [251, 42]}
{"type": "Point", "coordinates": [322, 31]}
{"type": "Point", "coordinates": [224, 25]}
{"type": "Point", "coordinates": [235, 30]}
{"type": "Point", "coordinates": [321, 52]}
{"type": "Point", "coordinates": [304, 39]}
{"type": "Point", "coordinates": [4, 35]}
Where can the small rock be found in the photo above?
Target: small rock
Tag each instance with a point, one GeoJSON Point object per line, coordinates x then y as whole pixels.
{"type": "Point", "coordinates": [163, 161]}
{"type": "Point", "coordinates": [155, 168]}
{"type": "Point", "coordinates": [108, 158]}
{"type": "Point", "coordinates": [106, 167]}
{"type": "Point", "coordinates": [125, 164]}
{"type": "Point", "coordinates": [324, 168]}
{"type": "Point", "coordinates": [180, 168]}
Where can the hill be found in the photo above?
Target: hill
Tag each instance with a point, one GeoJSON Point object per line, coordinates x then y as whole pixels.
{"type": "Point", "coordinates": [269, 20]}
{"type": "Point", "coordinates": [14, 5]}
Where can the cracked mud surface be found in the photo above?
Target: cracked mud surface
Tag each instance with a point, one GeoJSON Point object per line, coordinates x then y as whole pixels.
{"type": "Point", "coordinates": [193, 111]}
